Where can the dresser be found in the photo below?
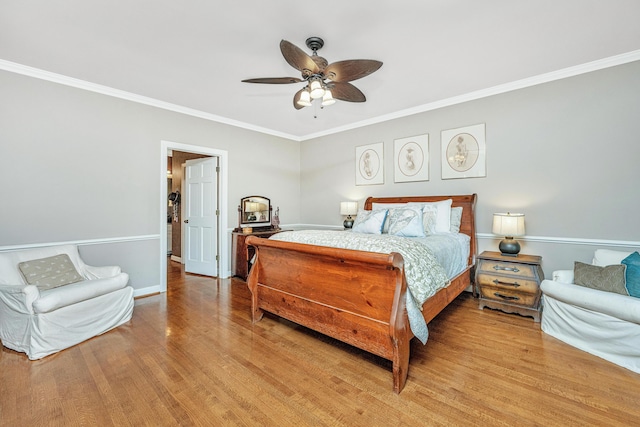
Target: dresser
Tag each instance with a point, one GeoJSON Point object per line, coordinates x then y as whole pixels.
{"type": "Point", "coordinates": [510, 284]}
{"type": "Point", "coordinates": [241, 254]}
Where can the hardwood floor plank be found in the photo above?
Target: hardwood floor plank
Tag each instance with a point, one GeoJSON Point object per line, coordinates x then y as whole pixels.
{"type": "Point", "coordinates": [192, 356]}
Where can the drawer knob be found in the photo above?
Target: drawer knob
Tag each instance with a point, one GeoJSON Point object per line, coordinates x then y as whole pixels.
{"type": "Point", "coordinates": [506, 297]}
{"type": "Point", "coordinates": [501, 268]}
{"type": "Point", "coordinates": [499, 282]}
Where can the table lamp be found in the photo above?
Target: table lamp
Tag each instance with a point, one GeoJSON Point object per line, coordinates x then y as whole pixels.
{"type": "Point", "coordinates": [508, 225]}
{"type": "Point", "coordinates": [348, 208]}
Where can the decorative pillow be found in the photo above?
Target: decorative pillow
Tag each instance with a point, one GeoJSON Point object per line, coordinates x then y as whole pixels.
{"type": "Point", "coordinates": [406, 221]}
{"type": "Point", "coordinates": [456, 219]}
{"type": "Point", "coordinates": [50, 272]}
{"type": "Point", "coordinates": [632, 275]}
{"type": "Point", "coordinates": [429, 219]}
{"type": "Point", "coordinates": [369, 222]}
{"type": "Point", "coordinates": [386, 206]}
{"type": "Point", "coordinates": [609, 278]}
{"type": "Point", "coordinates": [443, 218]}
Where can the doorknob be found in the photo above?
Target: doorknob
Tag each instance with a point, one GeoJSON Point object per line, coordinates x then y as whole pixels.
{"type": "Point", "coordinates": [186, 221]}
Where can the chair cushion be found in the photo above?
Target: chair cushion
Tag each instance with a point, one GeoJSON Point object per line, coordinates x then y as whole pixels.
{"type": "Point", "coordinates": [50, 272]}
{"type": "Point", "coordinates": [632, 275]}
{"type": "Point", "coordinates": [609, 278]}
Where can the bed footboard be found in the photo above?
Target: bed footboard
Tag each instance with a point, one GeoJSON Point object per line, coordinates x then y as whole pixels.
{"type": "Point", "coordinates": [356, 297]}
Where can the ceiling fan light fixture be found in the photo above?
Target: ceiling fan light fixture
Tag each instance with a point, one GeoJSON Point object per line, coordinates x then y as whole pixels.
{"type": "Point", "coordinates": [305, 99]}
{"type": "Point", "coordinates": [315, 89]}
{"type": "Point", "coordinates": [327, 98]}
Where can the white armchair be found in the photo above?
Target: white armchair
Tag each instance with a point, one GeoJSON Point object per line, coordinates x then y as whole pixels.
{"type": "Point", "coordinates": [41, 320]}
{"type": "Point", "coordinates": [605, 324]}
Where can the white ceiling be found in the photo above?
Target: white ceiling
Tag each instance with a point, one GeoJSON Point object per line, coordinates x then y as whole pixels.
{"type": "Point", "coordinates": [194, 53]}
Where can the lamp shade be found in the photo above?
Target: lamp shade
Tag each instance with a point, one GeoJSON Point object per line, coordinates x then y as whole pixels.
{"type": "Point", "coordinates": [348, 208]}
{"type": "Point", "coordinates": [508, 224]}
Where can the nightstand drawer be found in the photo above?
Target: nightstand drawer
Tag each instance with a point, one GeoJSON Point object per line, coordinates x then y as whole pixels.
{"type": "Point", "coordinates": [509, 296]}
{"type": "Point", "coordinates": [512, 282]}
{"type": "Point", "coordinates": [511, 268]}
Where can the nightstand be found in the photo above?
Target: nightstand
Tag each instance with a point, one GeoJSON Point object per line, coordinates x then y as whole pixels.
{"type": "Point", "coordinates": [510, 284]}
{"type": "Point", "coordinates": [241, 254]}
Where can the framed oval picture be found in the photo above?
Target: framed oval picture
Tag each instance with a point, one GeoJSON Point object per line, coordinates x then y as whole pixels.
{"type": "Point", "coordinates": [464, 152]}
{"type": "Point", "coordinates": [370, 164]}
{"type": "Point", "coordinates": [411, 159]}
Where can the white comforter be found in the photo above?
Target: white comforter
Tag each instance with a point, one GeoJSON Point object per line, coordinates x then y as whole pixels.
{"type": "Point", "coordinates": [429, 262]}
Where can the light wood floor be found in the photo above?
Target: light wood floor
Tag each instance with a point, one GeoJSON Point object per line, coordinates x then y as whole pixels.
{"type": "Point", "coordinates": [192, 357]}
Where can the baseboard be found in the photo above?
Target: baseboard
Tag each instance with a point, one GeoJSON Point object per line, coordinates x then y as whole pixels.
{"type": "Point", "coordinates": [147, 291]}
{"type": "Point", "coordinates": [176, 259]}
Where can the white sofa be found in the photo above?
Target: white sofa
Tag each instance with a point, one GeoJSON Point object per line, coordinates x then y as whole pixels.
{"type": "Point", "coordinates": [41, 321]}
{"type": "Point", "coordinates": [605, 324]}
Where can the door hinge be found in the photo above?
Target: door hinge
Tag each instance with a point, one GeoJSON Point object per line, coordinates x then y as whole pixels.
{"type": "Point", "coordinates": [217, 257]}
{"type": "Point", "coordinates": [217, 168]}
{"type": "Point", "coordinates": [217, 212]}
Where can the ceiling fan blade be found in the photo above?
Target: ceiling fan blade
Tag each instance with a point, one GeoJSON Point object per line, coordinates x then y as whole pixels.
{"type": "Point", "coordinates": [274, 80]}
{"type": "Point", "coordinates": [346, 71]}
{"type": "Point", "coordinates": [347, 92]}
{"type": "Point", "coordinates": [298, 59]}
{"type": "Point", "coordinates": [296, 98]}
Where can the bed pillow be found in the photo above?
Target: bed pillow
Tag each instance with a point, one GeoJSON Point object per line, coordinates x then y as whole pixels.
{"type": "Point", "coordinates": [386, 206]}
{"type": "Point", "coordinates": [405, 221]}
{"type": "Point", "coordinates": [50, 272]}
{"type": "Point", "coordinates": [443, 218]}
{"type": "Point", "coordinates": [369, 222]}
{"type": "Point", "coordinates": [632, 275]}
{"type": "Point", "coordinates": [609, 278]}
{"type": "Point", "coordinates": [456, 219]}
{"type": "Point", "coordinates": [429, 219]}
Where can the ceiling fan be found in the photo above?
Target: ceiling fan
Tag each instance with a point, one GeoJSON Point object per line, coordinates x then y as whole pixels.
{"type": "Point", "coordinates": [324, 81]}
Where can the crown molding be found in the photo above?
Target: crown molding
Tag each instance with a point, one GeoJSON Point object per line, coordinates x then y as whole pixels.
{"type": "Point", "coordinates": [37, 73]}
{"type": "Point", "coordinates": [588, 67]}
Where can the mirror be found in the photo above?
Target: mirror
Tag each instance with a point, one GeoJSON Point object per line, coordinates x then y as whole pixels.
{"type": "Point", "coordinates": [255, 211]}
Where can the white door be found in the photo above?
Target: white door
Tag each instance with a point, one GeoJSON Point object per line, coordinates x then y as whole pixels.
{"type": "Point", "coordinates": [201, 228]}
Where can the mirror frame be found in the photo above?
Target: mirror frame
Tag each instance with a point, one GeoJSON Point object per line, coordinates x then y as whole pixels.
{"type": "Point", "coordinates": [261, 220]}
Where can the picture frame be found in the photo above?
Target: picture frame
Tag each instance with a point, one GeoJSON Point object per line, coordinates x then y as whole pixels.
{"type": "Point", "coordinates": [370, 164]}
{"type": "Point", "coordinates": [411, 159]}
{"type": "Point", "coordinates": [464, 152]}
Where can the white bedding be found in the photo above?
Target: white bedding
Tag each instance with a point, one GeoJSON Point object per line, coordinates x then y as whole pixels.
{"type": "Point", "coordinates": [430, 262]}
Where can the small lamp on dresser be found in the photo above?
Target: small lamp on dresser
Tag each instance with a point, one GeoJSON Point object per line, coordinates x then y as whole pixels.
{"type": "Point", "coordinates": [509, 225]}
{"type": "Point", "coordinates": [348, 208]}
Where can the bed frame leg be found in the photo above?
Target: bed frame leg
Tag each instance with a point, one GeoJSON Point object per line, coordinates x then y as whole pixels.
{"type": "Point", "coordinates": [400, 364]}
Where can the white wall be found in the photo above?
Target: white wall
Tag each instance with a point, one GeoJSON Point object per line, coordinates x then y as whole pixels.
{"type": "Point", "coordinates": [564, 153]}
{"type": "Point", "coordinates": [84, 167]}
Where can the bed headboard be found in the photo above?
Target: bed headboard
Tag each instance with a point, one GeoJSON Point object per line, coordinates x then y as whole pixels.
{"type": "Point", "coordinates": [467, 202]}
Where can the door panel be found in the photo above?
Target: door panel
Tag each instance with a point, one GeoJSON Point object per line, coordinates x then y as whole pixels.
{"type": "Point", "coordinates": [201, 220]}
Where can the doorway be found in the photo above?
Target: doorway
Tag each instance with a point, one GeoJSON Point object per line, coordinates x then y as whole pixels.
{"type": "Point", "coordinates": [222, 236]}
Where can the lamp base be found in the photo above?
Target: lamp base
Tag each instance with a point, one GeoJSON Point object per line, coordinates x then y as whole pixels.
{"type": "Point", "coordinates": [348, 223]}
{"type": "Point", "coordinates": [509, 247]}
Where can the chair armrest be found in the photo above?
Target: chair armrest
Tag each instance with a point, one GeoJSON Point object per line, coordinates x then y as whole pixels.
{"type": "Point", "coordinates": [620, 306]}
{"type": "Point", "coordinates": [562, 276]}
{"type": "Point", "coordinates": [92, 273]}
{"type": "Point", "coordinates": [19, 298]}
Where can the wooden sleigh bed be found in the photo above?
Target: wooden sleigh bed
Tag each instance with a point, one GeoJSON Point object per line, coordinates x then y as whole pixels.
{"type": "Point", "coordinates": [354, 296]}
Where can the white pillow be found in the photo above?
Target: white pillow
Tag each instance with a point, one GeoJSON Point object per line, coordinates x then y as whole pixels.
{"type": "Point", "coordinates": [606, 257]}
{"type": "Point", "coordinates": [406, 221]}
{"type": "Point", "coordinates": [443, 216]}
{"type": "Point", "coordinates": [369, 222]}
